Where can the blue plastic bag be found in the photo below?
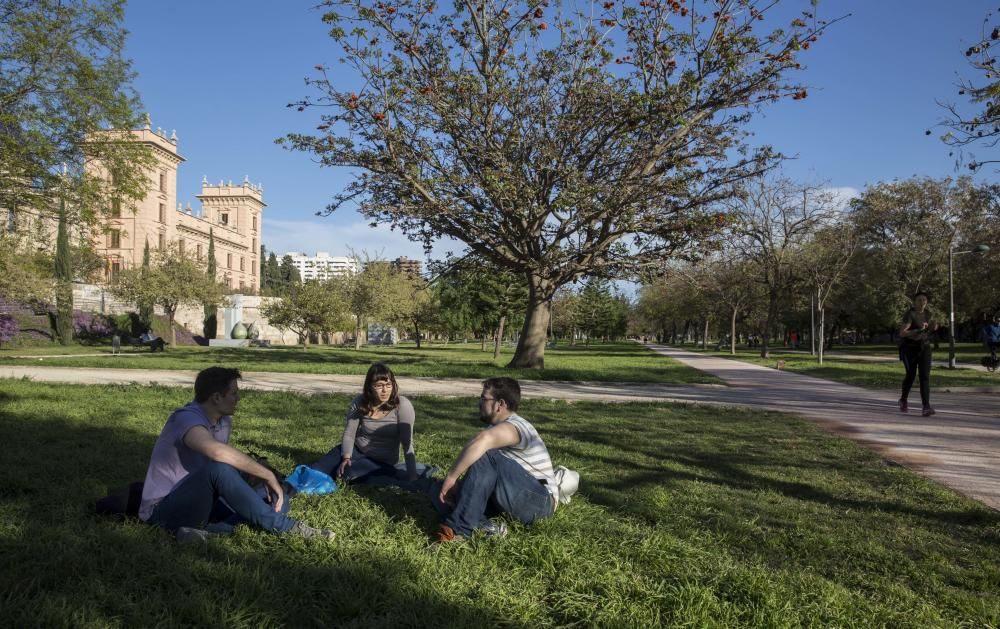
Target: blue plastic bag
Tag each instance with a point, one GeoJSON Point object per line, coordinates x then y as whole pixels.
{"type": "Point", "coordinates": [306, 480]}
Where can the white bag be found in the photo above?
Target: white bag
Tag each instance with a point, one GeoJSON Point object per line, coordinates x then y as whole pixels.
{"type": "Point", "coordinates": [568, 482]}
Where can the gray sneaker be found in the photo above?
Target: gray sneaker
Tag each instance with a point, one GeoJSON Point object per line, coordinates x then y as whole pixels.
{"type": "Point", "coordinates": [191, 535]}
{"type": "Point", "coordinates": [494, 529]}
{"type": "Point", "coordinates": [301, 530]}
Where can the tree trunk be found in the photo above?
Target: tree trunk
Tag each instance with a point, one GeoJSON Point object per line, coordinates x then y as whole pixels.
{"type": "Point", "coordinates": [530, 352]}
{"type": "Point", "coordinates": [732, 333]}
{"type": "Point", "coordinates": [496, 344]}
{"type": "Point", "coordinates": [170, 321]}
{"type": "Point", "coordinates": [357, 333]}
{"type": "Point", "coordinates": [572, 337]}
{"type": "Point", "coordinates": [416, 333]}
{"type": "Point", "coordinates": [822, 328]}
{"type": "Point", "coordinates": [482, 341]}
{"type": "Point", "coordinates": [772, 315]}
{"type": "Point", "coordinates": [704, 336]}
{"type": "Point", "coordinates": [64, 280]}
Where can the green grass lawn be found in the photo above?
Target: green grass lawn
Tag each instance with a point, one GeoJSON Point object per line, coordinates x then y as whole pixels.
{"type": "Point", "coordinates": [686, 516]}
{"type": "Point", "coordinates": [599, 362]}
{"type": "Point", "coordinates": [874, 375]}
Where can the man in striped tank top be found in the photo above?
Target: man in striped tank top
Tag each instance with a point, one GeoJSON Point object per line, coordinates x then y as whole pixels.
{"type": "Point", "coordinates": [507, 470]}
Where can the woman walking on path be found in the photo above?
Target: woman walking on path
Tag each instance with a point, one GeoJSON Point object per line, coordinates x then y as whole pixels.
{"type": "Point", "coordinates": [379, 422]}
{"type": "Point", "coordinates": [915, 352]}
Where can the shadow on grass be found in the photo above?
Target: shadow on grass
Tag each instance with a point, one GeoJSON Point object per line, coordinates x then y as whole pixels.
{"type": "Point", "coordinates": [672, 458]}
{"type": "Point", "coordinates": [54, 550]}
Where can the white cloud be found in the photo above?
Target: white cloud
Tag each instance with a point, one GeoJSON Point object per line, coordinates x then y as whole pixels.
{"type": "Point", "coordinates": [339, 239]}
{"type": "Point", "coordinates": [843, 195]}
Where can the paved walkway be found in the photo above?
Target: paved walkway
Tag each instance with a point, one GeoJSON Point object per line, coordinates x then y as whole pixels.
{"type": "Point", "coordinates": [959, 447]}
{"type": "Point", "coordinates": [875, 358]}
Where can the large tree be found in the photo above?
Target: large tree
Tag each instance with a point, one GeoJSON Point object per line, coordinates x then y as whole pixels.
{"type": "Point", "coordinates": [556, 141]}
{"type": "Point", "coordinates": [174, 279]}
{"type": "Point", "coordinates": [977, 122]}
{"type": "Point", "coordinates": [64, 83]}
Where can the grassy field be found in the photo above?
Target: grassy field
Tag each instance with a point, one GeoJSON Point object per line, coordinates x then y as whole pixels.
{"type": "Point", "coordinates": [866, 373]}
{"type": "Point", "coordinates": [686, 516]}
{"type": "Point", "coordinates": [611, 362]}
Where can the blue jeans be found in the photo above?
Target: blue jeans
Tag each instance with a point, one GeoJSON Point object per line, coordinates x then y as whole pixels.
{"type": "Point", "coordinates": [366, 470]}
{"type": "Point", "coordinates": [360, 469]}
{"type": "Point", "coordinates": [493, 485]}
{"type": "Point", "coordinates": [216, 498]}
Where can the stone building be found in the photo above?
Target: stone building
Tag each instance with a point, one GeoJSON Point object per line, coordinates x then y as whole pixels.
{"type": "Point", "coordinates": [233, 214]}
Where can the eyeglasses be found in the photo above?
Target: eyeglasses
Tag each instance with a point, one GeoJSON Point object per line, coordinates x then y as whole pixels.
{"type": "Point", "coordinates": [382, 386]}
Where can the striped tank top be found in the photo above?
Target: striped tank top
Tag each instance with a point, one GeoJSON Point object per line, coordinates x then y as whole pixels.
{"type": "Point", "coordinates": [531, 454]}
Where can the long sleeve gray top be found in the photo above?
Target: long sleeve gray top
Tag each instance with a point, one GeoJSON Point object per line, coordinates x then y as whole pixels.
{"type": "Point", "coordinates": [380, 439]}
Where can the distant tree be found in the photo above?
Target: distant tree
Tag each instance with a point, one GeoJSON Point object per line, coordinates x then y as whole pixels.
{"type": "Point", "coordinates": [272, 277]}
{"type": "Point", "coordinates": [174, 279]}
{"type": "Point", "coordinates": [64, 82]}
{"type": "Point", "coordinates": [418, 306]}
{"type": "Point", "coordinates": [593, 149]}
{"type": "Point", "coordinates": [566, 314]}
{"type": "Point", "coordinates": [146, 308]}
{"type": "Point", "coordinates": [371, 293]}
{"type": "Point", "coordinates": [770, 223]}
{"type": "Point", "coordinates": [488, 296]}
{"type": "Point", "coordinates": [311, 308]}
{"type": "Point", "coordinates": [263, 268]}
{"type": "Point", "coordinates": [210, 326]}
{"type": "Point", "coordinates": [288, 276]}
{"type": "Point", "coordinates": [596, 308]}
{"type": "Point", "coordinates": [732, 285]}
{"type": "Point", "coordinates": [64, 279]}
{"type": "Point", "coordinates": [824, 263]}
{"type": "Point", "coordinates": [905, 229]}
{"type": "Point", "coordinates": [25, 274]}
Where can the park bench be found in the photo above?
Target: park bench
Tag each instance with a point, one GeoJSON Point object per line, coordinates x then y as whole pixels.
{"type": "Point", "coordinates": [154, 345]}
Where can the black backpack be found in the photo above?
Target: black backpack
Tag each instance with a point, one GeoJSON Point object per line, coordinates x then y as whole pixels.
{"type": "Point", "coordinates": [121, 502]}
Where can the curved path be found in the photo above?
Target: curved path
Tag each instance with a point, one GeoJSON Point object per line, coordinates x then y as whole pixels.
{"type": "Point", "coordinates": [958, 447]}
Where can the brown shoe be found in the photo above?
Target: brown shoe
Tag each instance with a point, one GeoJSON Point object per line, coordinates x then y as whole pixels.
{"type": "Point", "coordinates": [447, 534]}
{"type": "Point", "coordinates": [928, 411]}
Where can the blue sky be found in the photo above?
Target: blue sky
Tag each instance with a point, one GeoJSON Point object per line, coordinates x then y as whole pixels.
{"type": "Point", "coordinates": [220, 72]}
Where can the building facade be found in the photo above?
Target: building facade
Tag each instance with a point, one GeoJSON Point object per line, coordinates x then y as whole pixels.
{"type": "Point", "coordinates": [407, 266]}
{"type": "Point", "coordinates": [232, 214]}
{"type": "Point", "coordinates": [322, 266]}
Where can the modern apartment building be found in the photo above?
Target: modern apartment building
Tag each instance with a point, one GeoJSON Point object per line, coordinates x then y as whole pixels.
{"type": "Point", "coordinates": [408, 266]}
{"type": "Point", "coordinates": [322, 266]}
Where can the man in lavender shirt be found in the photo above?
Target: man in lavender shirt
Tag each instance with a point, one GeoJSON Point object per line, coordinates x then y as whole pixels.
{"type": "Point", "coordinates": [193, 485]}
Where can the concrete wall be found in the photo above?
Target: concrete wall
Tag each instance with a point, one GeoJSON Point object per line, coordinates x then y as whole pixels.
{"type": "Point", "coordinates": [95, 298]}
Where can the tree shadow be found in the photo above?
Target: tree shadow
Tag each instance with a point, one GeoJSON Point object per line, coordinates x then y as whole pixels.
{"type": "Point", "coordinates": [57, 553]}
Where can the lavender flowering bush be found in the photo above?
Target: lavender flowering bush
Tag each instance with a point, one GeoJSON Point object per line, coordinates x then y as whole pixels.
{"type": "Point", "coordinates": [91, 327]}
{"type": "Point", "coordinates": [8, 328]}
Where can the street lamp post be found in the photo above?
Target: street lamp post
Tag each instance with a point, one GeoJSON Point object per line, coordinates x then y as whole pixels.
{"type": "Point", "coordinates": [951, 296]}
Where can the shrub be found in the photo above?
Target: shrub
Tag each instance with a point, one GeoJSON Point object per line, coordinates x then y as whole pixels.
{"type": "Point", "coordinates": [9, 328]}
{"type": "Point", "coordinates": [91, 327]}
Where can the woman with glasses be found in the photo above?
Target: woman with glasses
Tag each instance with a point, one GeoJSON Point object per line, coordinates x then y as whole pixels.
{"type": "Point", "coordinates": [379, 422]}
